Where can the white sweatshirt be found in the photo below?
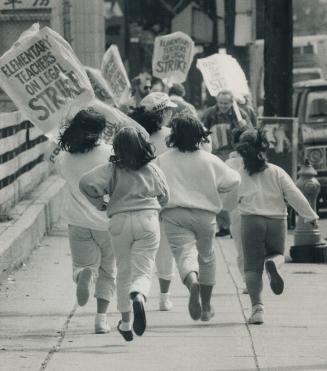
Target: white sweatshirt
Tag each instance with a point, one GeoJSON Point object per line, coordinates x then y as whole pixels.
{"type": "Point", "coordinates": [265, 193]}
{"type": "Point", "coordinates": [77, 209]}
{"type": "Point", "coordinates": [197, 179]}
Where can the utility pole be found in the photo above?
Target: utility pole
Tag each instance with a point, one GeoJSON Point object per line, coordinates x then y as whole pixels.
{"type": "Point", "coordinates": [278, 58]}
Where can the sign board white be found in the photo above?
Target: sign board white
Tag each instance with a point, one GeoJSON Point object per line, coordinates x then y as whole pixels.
{"type": "Point", "coordinates": [113, 70]}
{"type": "Point", "coordinates": [26, 4]}
{"type": "Point", "coordinates": [172, 57]}
{"type": "Point", "coordinates": [44, 78]}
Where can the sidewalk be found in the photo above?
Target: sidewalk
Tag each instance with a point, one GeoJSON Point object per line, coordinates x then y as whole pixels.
{"type": "Point", "coordinates": [43, 329]}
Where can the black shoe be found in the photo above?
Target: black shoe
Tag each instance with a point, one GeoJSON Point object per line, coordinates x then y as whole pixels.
{"type": "Point", "coordinates": [223, 232]}
{"type": "Point", "coordinates": [275, 278]}
{"type": "Point", "coordinates": [127, 335]}
{"type": "Point", "coordinates": [194, 306]}
{"type": "Point", "coordinates": [139, 323]}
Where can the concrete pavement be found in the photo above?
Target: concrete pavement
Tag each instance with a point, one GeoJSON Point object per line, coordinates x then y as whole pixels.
{"type": "Point", "coordinates": [43, 329]}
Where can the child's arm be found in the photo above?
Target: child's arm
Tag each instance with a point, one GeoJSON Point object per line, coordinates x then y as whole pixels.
{"type": "Point", "coordinates": [229, 179]}
{"type": "Point", "coordinates": [94, 185]}
{"type": "Point", "coordinates": [296, 198]}
{"type": "Point", "coordinates": [162, 186]}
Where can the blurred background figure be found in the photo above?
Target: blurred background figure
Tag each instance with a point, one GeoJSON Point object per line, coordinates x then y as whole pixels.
{"type": "Point", "coordinates": [221, 119]}
{"type": "Point", "coordinates": [141, 87]}
{"type": "Point", "coordinates": [158, 86]}
{"type": "Point", "coordinates": [177, 94]}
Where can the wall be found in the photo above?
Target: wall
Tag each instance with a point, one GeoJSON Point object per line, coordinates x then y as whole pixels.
{"type": "Point", "coordinates": [21, 159]}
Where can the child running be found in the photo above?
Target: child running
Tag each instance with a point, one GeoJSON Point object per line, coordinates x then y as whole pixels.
{"type": "Point", "coordinates": [154, 115]}
{"type": "Point", "coordinates": [137, 190]}
{"type": "Point", "coordinates": [264, 190]}
{"type": "Point", "coordinates": [92, 254]}
{"type": "Point", "coordinates": [196, 181]}
{"type": "Point", "coordinates": [235, 162]}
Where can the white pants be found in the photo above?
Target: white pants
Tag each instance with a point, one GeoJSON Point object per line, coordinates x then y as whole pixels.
{"type": "Point", "coordinates": [92, 249]}
{"type": "Point", "coordinates": [191, 236]}
{"type": "Point", "coordinates": [135, 237]}
{"type": "Point", "coordinates": [235, 228]}
{"type": "Point", "coordinates": [164, 258]}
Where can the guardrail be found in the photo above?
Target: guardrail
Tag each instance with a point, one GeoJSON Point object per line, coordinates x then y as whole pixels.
{"type": "Point", "coordinates": [22, 167]}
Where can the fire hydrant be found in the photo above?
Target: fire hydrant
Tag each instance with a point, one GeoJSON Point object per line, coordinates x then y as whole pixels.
{"type": "Point", "coordinates": [308, 244]}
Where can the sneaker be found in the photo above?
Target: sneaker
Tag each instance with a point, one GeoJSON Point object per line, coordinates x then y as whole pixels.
{"type": "Point", "coordinates": [223, 232]}
{"type": "Point", "coordinates": [83, 286]}
{"type": "Point", "coordinates": [139, 323]}
{"type": "Point", "coordinates": [257, 315]}
{"type": "Point", "coordinates": [276, 280]}
{"type": "Point", "coordinates": [127, 335]}
{"type": "Point", "coordinates": [165, 303]}
{"type": "Point", "coordinates": [194, 306]}
{"type": "Point", "coordinates": [101, 323]}
{"type": "Point", "coordinates": [207, 315]}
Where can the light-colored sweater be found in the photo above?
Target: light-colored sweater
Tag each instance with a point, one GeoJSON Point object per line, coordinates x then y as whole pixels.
{"type": "Point", "coordinates": [197, 179]}
{"type": "Point", "coordinates": [77, 209]}
{"type": "Point", "coordinates": [265, 193]}
{"type": "Point", "coordinates": [129, 190]}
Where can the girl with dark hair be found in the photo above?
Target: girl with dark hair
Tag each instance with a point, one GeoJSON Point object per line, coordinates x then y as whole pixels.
{"type": "Point", "coordinates": [92, 254]}
{"type": "Point", "coordinates": [154, 115]}
{"type": "Point", "coordinates": [264, 190]}
{"type": "Point", "coordinates": [137, 190]}
{"type": "Point", "coordinates": [196, 181]}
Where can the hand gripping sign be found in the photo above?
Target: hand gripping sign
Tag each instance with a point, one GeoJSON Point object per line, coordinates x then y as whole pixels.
{"type": "Point", "coordinates": [44, 78]}
{"type": "Point", "coordinates": [114, 72]}
{"type": "Point", "coordinates": [222, 71]}
{"type": "Point", "coordinates": [172, 57]}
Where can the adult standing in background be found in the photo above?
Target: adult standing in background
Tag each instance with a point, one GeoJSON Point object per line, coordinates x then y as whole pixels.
{"type": "Point", "coordinates": [221, 119]}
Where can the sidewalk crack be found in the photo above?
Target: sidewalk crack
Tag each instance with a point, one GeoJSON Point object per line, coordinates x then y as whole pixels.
{"type": "Point", "coordinates": [255, 356]}
{"type": "Point", "coordinates": [60, 339]}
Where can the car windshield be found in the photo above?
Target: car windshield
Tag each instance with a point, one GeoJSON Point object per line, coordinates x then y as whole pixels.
{"type": "Point", "coordinates": [316, 107]}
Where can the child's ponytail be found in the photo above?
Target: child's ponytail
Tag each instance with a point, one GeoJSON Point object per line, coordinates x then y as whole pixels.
{"type": "Point", "coordinates": [253, 146]}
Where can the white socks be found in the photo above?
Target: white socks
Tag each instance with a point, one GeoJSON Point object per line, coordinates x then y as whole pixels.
{"type": "Point", "coordinates": [125, 326]}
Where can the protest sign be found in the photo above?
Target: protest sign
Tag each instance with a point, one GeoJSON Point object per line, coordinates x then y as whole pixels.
{"type": "Point", "coordinates": [172, 57]}
{"type": "Point", "coordinates": [115, 120]}
{"type": "Point", "coordinates": [222, 71]}
{"type": "Point", "coordinates": [113, 70]}
{"type": "Point", "coordinates": [99, 85]}
{"type": "Point", "coordinates": [44, 78]}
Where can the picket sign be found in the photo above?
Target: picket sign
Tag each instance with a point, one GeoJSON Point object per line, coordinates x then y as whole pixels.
{"type": "Point", "coordinates": [222, 71]}
{"type": "Point", "coordinates": [115, 120]}
{"type": "Point", "coordinates": [45, 79]}
{"type": "Point", "coordinates": [99, 85]}
{"type": "Point", "coordinates": [113, 70]}
{"type": "Point", "coordinates": [172, 57]}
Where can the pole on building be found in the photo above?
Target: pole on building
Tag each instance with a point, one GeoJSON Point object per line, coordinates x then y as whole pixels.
{"type": "Point", "coordinates": [278, 58]}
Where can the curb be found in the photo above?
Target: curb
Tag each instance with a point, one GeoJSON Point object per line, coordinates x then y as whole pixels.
{"type": "Point", "coordinates": [33, 218]}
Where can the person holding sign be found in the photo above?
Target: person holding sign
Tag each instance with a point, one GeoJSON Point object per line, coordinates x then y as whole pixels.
{"type": "Point", "coordinates": [221, 119]}
{"type": "Point", "coordinates": [137, 190]}
{"type": "Point", "coordinates": [91, 250]}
